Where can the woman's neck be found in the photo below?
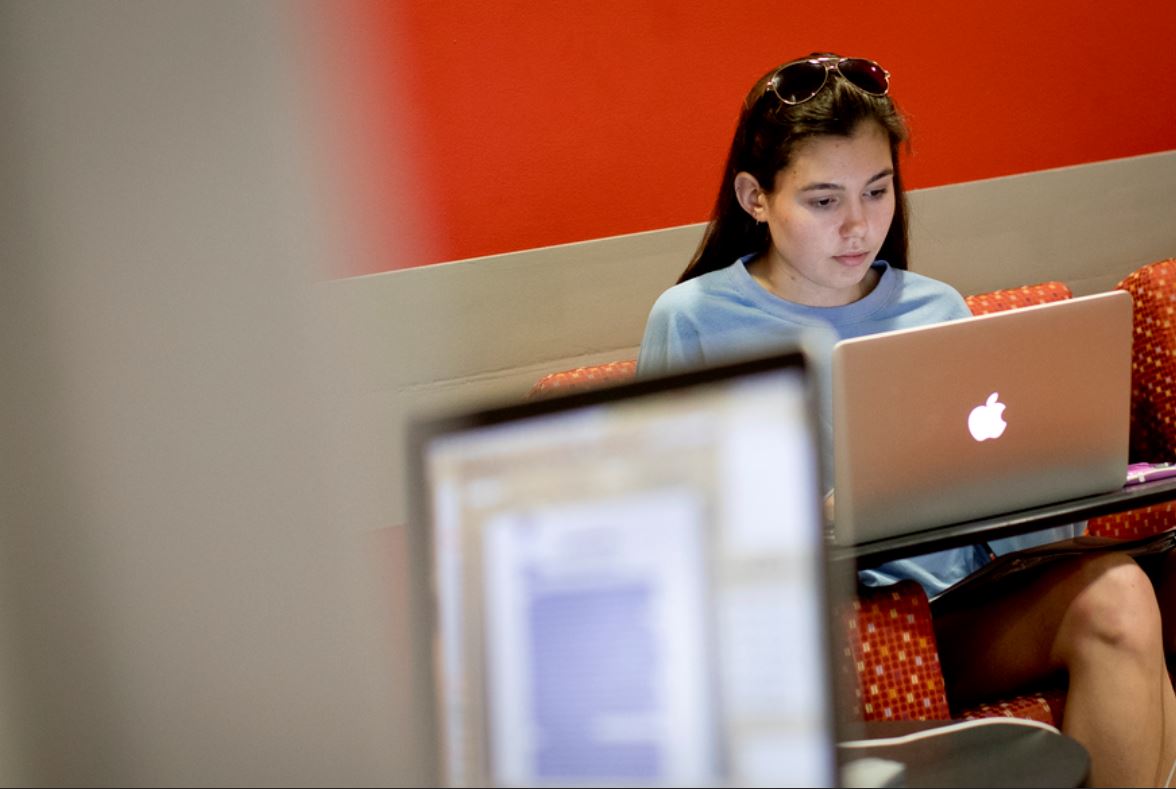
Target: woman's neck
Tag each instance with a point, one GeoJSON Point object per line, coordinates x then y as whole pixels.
{"type": "Point", "coordinates": [789, 286]}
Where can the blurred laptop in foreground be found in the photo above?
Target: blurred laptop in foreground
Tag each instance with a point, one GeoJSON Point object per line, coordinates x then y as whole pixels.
{"type": "Point", "coordinates": [629, 586]}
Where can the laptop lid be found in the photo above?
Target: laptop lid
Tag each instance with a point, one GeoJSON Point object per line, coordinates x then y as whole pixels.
{"type": "Point", "coordinates": [629, 587]}
{"type": "Point", "coordinates": [981, 416]}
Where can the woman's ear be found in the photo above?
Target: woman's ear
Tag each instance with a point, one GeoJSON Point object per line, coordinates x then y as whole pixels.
{"type": "Point", "coordinates": [751, 196]}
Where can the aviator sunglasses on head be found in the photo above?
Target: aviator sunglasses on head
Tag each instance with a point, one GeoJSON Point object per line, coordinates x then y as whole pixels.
{"type": "Point", "coordinates": [798, 81]}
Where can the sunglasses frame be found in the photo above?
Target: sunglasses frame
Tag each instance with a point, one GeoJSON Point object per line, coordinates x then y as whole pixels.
{"type": "Point", "coordinates": [828, 63]}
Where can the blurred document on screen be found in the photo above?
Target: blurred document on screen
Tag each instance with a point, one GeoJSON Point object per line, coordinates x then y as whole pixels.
{"type": "Point", "coordinates": [597, 661]}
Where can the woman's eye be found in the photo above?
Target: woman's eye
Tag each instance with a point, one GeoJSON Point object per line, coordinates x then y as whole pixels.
{"type": "Point", "coordinates": [823, 202]}
{"type": "Point", "coordinates": [877, 194]}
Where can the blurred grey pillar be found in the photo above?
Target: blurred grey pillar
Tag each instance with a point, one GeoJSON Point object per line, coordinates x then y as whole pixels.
{"type": "Point", "coordinates": [186, 595]}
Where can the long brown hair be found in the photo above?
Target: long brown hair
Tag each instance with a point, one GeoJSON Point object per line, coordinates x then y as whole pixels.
{"type": "Point", "coordinates": [767, 133]}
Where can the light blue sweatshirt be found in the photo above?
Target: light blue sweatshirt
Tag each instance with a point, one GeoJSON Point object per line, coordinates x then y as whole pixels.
{"type": "Point", "coordinates": [725, 314]}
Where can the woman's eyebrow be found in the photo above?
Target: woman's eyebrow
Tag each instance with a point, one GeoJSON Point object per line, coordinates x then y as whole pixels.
{"type": "Point", "coordinates": [889, 171]}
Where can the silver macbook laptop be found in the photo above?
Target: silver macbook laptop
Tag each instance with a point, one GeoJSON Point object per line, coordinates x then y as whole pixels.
{"type": "Point", "coordinates": [981, 416]}
{"type": "Point", "coordinates": [629, 586]}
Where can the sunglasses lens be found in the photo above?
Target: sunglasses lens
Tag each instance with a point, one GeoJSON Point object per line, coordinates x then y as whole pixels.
{"type": "Point", "coordinates": [865, 74]}
{"type": "Point", "coordinates": [799, 82]}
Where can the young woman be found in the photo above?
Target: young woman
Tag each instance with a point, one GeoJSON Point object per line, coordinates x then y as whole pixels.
{"type": "Point", "coordinates": [808, 237]}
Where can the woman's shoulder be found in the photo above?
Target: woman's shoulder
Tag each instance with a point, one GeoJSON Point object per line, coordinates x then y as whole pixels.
{"type": "Point", "coordinates": [697, 292]}
{"type": "Point", "coordinates": [915, 299]}
{"type": "Point", "coordinates": [914, 279]}
{"type": "Point", "coordinates": [921, 287]}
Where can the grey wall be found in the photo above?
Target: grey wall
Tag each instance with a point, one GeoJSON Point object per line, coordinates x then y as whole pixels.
{"type": "Point", "coordinates": [1087, 226]}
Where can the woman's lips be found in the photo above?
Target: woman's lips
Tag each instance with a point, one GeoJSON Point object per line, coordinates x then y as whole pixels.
{"type": "Point", "coordinates": [852, 260]}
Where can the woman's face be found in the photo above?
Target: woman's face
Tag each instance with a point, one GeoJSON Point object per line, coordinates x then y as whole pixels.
{"type": "Point", "coordinates": [828, 217]}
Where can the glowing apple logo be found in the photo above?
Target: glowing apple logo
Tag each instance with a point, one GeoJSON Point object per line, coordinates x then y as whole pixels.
{"type": "Point", "coordinates": [986, 421]}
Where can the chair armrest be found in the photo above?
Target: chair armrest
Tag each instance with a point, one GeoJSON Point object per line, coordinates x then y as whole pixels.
{"type": "Point", "coordinates": [893, 654]}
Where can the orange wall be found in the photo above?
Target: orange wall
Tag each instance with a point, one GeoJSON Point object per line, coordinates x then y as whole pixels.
{"type": "Point", "coordinates": [476, 128]}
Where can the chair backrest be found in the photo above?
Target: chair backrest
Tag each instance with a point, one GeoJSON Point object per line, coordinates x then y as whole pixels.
{"type": "Point", "coordinates": [580, 378]}
{"type": "Point", "coordinates": [1011, 298]}
{"type": "Point", "coordinates": [1153, 367]}
{"type": "Point", "coordinates": [1153, 396]}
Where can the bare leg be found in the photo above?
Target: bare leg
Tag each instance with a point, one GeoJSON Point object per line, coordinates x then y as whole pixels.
{"type": "Point", "coordinates": [1097, 619]}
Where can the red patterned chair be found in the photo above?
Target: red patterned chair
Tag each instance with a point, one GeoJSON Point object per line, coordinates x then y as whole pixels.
{"type": "Point", "coordinates": [1153, 392]}
{"type": "Point", "coordinates": [892, 655]}
{"type": "Point", "coordinates": [891, 646]}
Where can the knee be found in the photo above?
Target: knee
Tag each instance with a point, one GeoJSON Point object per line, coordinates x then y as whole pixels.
{"type": "Point", "coordinates": [1114, 608]}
